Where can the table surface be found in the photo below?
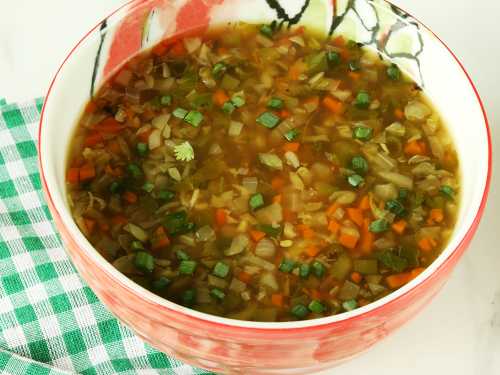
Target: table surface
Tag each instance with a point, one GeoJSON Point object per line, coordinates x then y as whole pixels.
{"type": "Point", "coordinates": [459, 333]}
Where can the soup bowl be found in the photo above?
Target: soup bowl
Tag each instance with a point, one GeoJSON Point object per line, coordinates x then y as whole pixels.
{"type": "Point", "coordinates": [231, 346]}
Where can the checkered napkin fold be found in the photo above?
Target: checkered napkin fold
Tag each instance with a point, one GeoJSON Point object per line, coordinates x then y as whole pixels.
{"type": "Point", "coordinates": [50, 321]}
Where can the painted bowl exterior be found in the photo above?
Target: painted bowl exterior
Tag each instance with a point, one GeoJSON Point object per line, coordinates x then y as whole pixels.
{"type": "Point", "coordinates": [252, 348]}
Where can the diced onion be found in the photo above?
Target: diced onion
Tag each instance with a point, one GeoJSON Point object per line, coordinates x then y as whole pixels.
{"type": "Point", "coordinates": [271, 214]}
{"type": "Point", "coordinates": [155, 139]}
{"type": "Point", "coordinates": [237, 286]}
{"type": "Point", "coordinates": [136, 231]}
{"type": "Point", "coordinates": [217, 282]}
{"type": "Point", "coordinates": [400, 180]}
{"type": "Point", "coordinates": [343, 197]}
{"type": "Point", "coordinates": [268, 279]}
{"type": "Point", "coordinates": [292, 159]}
{"type": "Point", "coordinates": [238, 245]}
{"type": "Point", "coordinates": [205, 233]}
{"type": "Point", "coordinates": [417, 111]}
{"type": "Point", "coordinates": [386, 192]}
{"type": "Point", "coordinates": [235, 128]}
{"type": "Point", "coordinates": [265, 248]}
{"type": "Point", "coordinates": [250, 184]}
{"type": "Point", "coordinates": [192, 44]}
{"type": "Point", "coordinates": [257, 261]}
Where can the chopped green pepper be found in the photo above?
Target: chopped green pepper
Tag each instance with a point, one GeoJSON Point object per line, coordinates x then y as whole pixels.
{"type": "Point", "coordinates": [318, 269]}
{"type": "Point", "coordinates": [238, 101]}
{"type": "Point", "coordinates": [396, 207]}
{"type": "Point", "coordinates": [275, 103]}
{"type": "Point", "coordinates": [291, 135]}
{"type": "Point", "coordinates": [269, 120]}
{"type": "Point", "coordinates": [317, 307]}
{"type": "Point", "coordinates": [219, 69]}
{"type": "Point", "coordinates": [350, 305]}
{"type": "Point", "coordinates": [177, 223]}
{"type": "Point", "coordinates": [144, 261]}
{"type": "Point", "coordinates": [300, 311]}
{"type": "Point", "coordinates": [287, 265]}
{"type": "Point", "coordinates": [148, 187]}
{"type": "Point", "coordinates": [180, 113]}
{"type": "Point", "coordinates": [363, 100]}
{"type": "Point", "coordinates": [194, 118]}
{"type": "Point", "coordinates": [228, 107]}
{"type": "Point", "coordinates": [359, 165]}
{"type": "Point", "coordinates": [188, 297]}
{"type": "Point", "coordinates": [187, 267]}
{"type": "Point", "coordinates": [355, 180]}
{"type": "Point", "coordinates": [166, 100]}
{"type": "Point", "coordinates": [218, 294]}
{"type": "Point", "coordinates": [160, 284]}
{"type": "Point", "coordinates": [363, 133]}
{"type": "Point", "coordinates": [304, 270]}
{"type": "Point", "coordinates": [379, 226]}
{"type": "Point", "coordinates": [221, 270]}
{"type": "Point", "coordinates": [182, 255]}
{"type": "Point", "coordinates": [166, 195]}
{"type": "Point", "coordinates": [134, 170]}
{"type": "Point", "coordinates": [256, 201]}
{"type": "Point", "coordinates": [392, 261]}
{"type": "Point", "coordinates": [333, 58]}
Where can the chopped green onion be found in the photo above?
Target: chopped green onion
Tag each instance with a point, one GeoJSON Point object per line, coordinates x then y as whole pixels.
{"type": "Point", "coordinates": [269, 120]}
{"type": "Point", "coordinates": [393, 72]}
{"type": "Point", "coordinates": [115, 187]}
{"type": "Point", "coordinates": [396, 207]}
{"type": "Point", "coordinates": [180, 113]}
{"type": "Point", "coordinates": [188, 297]}
{"type": "Point", "coordinates": [142, 149]}
{"type": "Point", "coordinates": [359, 165]}
{"type": "Point", "coordinates": [275, 103]}
{"type": "Point", "coordinates": [267, 30]}
{"type": "Point", "coordinates": [134, 170]}
{"type": "Point", "coordinates": [238, 101]}
{"type": "Point", "coordinates": [448, 192]}
{"type": "Point", "coordinates": [218, 294]}
{"type": "Point", "coordinates": [137, 246]}
{"type": "Point", "coordinates": [184, 152]}
{"type": "Point", "coordinates": [355, 180]}
{"type": "Point", "coordinates": [287, 265]}
{"type": "Point", "coordinates": [333, 58]}
{"type": "Point", "coordinates": [166, 100]}
{"type": "Point", "coordinates": [221, 270]}
{"type": "Point", "coordinates": [300, 311]}
{"type": "Point", "coordinates": [291, 135]}
{"type": "Point", "coordinates": [363, 133]}
{"type": "Point", "coordinates": [269, 230]}
{"type": "Point", "coordinates": [177, 223]}
{"type": "Point", "coordinates": [316, 307]}
{"type": "Point", "coordinates": [318, 269]}
{"type": "Point", "coordinates": [160, 283]}
{"type": "Point", "coordinates": [144, 261]}
{"type": "Point", "coordinates": [148, 187]}
{"type": "Point", "coordinates": [194, 118]}
{"type": "Point", "coordinates": [350, 305]}
{"type": "Point", "coordinates": [187, 267]}
{"type": "Point", "coordinates": [256, 201]}
{"type": "Point", "coordinates": [304, 270]}
{"type": "Point", "coordinates": [379, 226]}
{"type": "Point", "coordinates": [363, 100]}
{"type": "Point", "coordinates": [166, 195]}
{"type": "Point", "coordinates": [182, 255]}
{"type": "Point", "coordinates": [219, 69]}
{"type": "Point", "coordinates": [228, 107]}
{"type": "Point", "coordinates": [354, 66]}
{"type": "Point", "coordinates": [403, 194]}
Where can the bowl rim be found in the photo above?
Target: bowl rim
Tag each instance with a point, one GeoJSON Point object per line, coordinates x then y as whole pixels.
{"type": "Point", "coordinates": [220, 322]}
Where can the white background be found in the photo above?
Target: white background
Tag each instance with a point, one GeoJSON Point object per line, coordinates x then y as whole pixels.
{"type": "Point", "coordinates": [459, 333]}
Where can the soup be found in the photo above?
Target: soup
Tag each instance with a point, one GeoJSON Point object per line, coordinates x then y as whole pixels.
{"type": "Point", "coordinates": [264, 174]}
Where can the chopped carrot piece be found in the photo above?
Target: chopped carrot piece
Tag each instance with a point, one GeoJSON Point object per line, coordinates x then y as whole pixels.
{"type": "Point", "coordinates": [345, 54]}
{"type": "Point", "coordinates": [73, 176]}
{"type": "Point", "coordinates": [90, 225]}
{"type": "Point", "coordinates": [354, 76]}
{"type": "Point", "coordinates": [178, 49]}
{"type": "Point", "coordinates": [220, 217]}
{"type": "Point", "coordinates": [363, 302]}
{"type": "Point", "coordinates": [367, 238]}
{"type": "Point", "coordinates": [415, 148]}
{"type": "Point", "coordinates": [245, 277]}
{"type": "Point", "coordinates": [283, 114]}
{"type": "Point", "coordinates": [288, 215]}
{"type": "Point", "coordinates": [293, 147]}
{"type": "Point", "coordinates": [313, 250]}
{"type": "Point", "coordinates": [220, 97]}
{"type": "Point", "coordinates": [400, 226]}
{"type": "Point", "coordinates": [109, 125]}
{"type": "Point", "coordinates": [436, 216]}
{"type": "Point", "coordinates": [160, 243]}
{"type": "Point", "coordinates": [296, 70]}
{"type": "Point", "coordinates": [356, 277]}
{"type": "Point", "coordinates": [306, 231]}
{"type": "Point", "coordinates": [348, 240]}
{"type": "Point", "coordinates": [87, 172]}
{"type": "Point", "coordinates": [356, 215]}
{"type": "Point", "coordinates": [94, 138]}
{"type": "Point", "coordinates": [114, 147]}
{"type": "Point", "coordinates": [277, 299]}
{"type": "Point", "coordinates": [277, 183]}
{"type": "Point", "coordinates": [104, 227]}
{"type": "Point", "coordinates": [339, 41]}
{"type": "Point", "coordinates": [364, 203]}
{"type": "Point", "coordinates": [399, 114]}
{"type": "Point", "coordinates": [398, 280]}
{"type": "Point", "coordinates": [334, 105]}
{"type": "Point", "coordinates": [334, 226]}
{"type": "Point", "coordinates": [257, 235]}
{"type": "Point", "coordinates": [427, 244]}
{"type": "Point", "coordinates": [332, 209]}
{"type": "Point", "coordinates": [312, 101]}
{"type": "Point", "coordinates": [119, 220]}
{"type": "Point", "coordinates": [277, 198]}
{"type": "Point", "coordinates": [130, 197]}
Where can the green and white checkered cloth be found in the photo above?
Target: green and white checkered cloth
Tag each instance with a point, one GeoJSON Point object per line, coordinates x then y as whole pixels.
{"type": "Point", "coordinates": [50, 321]}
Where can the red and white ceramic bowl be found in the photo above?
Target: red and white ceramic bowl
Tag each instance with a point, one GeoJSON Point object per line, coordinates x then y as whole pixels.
{"type": "Point", "coordinates": [232, 346]}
